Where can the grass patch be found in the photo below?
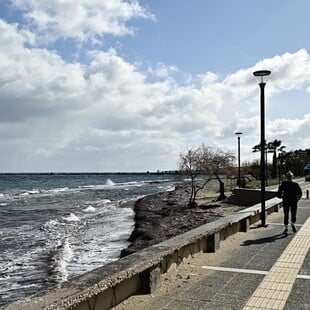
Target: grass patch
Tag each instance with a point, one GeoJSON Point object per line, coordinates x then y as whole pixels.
{"type": "Point", "coordinates": [256, 183]}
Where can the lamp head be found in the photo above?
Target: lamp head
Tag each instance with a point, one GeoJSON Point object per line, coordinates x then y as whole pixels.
{"type": "Point", "coordinates": [262, 75]}
{"type": "Point", "coordinates": [238, 134]}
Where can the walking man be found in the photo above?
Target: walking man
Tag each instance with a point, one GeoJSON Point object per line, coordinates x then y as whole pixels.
{"type": "Point", "coordinates": [290, 192]}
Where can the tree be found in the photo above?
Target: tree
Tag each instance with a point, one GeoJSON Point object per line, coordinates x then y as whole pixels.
{"type": "Point", "coordinates": [257, 148]}
{"type": "Point", "coordinates": [281, 158]}
{"type": "Point", "coordinates": [296, 160]}
{"type": "Point", "coordinates": [254, 168]}
{"type": "Point", "coordinates": [205, 161]}
{"type": "Point", "coordinates": [217, 162]}
{"type": "Point", "coordinates": [273, 147]}
{"type": "Point", "coordinates": [190, 165]}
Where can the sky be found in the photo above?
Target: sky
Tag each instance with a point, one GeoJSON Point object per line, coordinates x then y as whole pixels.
{"type": "Point", "coordinates": [115, 85]}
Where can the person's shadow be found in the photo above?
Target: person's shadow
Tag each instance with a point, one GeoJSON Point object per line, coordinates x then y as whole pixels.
{"type": "Point", "coordinates": [264, 240]}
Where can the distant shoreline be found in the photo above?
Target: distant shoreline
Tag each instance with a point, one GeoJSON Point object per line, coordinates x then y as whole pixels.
{"type": "Point", "coordinates": [93, 173]}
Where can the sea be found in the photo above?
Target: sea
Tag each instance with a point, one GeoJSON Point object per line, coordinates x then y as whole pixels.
{"type": "Point", "coordinates": [56, 226]}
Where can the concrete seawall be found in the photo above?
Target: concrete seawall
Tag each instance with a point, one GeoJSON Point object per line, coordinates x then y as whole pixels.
{"type": "Point", "coordinates": [105, 287]}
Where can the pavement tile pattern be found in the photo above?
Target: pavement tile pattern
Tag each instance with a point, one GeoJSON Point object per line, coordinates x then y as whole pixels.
{"type": "Point", "coordinates": [275, 288]}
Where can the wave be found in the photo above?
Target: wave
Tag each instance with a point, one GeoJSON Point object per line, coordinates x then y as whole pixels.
{"type": "Point", "coordinates": [49, 225]}
{"type": "Point", "coordinates": [107, 185]}
{"type": "Point", "coordinates": [30, 192]}
{"type": "Point", "coordinates": [34, 191]}
{"type": "Point", "coordinates": [59, 190]}
{"type": "Point", "coordinates": [72, 218]}
{"type": "Point", "coordinates": [62, 256]}
{"type": "Point", "coordinates": [24, 194]}
{"type": "Point", "coordinates": [109, 182]}
{"type": "Point", "coordinates": [104, 201]}
{"type": "Point", "coordinates": [89, 209]}
{"type": "Point", "coordinates": [15, 194]}
{"type": "Point", "coordinates": [73, 225]}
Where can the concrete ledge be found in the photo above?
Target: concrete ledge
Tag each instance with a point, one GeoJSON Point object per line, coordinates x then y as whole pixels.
{"type": "Point", "coordinates": [248, 197]}
{"type": "Point", "coordinates": [105, 287]}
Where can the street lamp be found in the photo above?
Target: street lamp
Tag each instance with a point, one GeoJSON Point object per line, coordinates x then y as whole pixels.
{"type": "Point", "coordinates": [238, 134]}
{"type": "Point", "coordinates": [261, 75]}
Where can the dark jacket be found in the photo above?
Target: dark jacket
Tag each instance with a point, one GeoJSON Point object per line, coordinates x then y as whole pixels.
{"type": "Point", "coordinates": [290, 192]}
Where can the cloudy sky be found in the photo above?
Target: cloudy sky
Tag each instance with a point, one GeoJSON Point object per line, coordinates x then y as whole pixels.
{"type": "Point", "coordinates": [115, 85]}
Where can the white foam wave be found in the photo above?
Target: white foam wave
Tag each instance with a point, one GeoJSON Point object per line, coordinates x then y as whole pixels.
{"type": "Point", "coordinates": [60, 189]}
{"type": "Point", "coordinates": [109, 182]}
{"type": "Point", "coordinates": [62, 258]}
{"type": "Point", "coordinates": [50, 224]}
{"type": "Point", "coordinates": [71, 218]}
{"type": "Point", "coordinates": [4, 278]}
{"type": "Point", "coordinates": [86, 186]}
{"type": "Point", "coordinates": [34, 191]}
{"type": "Point", "coordinates": [105, 201]}
{"type": "Point", "coordinates": [89, 209]}
{"type": "Point", "coordinates": [30, 192]}
{"type": "Point", "coordinates": [132, 183]}
{"type": "Point", "coordinates": [166, 188]}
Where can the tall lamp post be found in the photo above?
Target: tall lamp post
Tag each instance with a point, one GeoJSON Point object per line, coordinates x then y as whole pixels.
{"type": "Point", "coordinates": [238, 134]}
{"type": "Point", "coordinates": [262, 76]}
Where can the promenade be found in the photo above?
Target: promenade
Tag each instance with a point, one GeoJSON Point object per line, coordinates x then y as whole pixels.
{"type": "Point", "coordinates": [260, 269]}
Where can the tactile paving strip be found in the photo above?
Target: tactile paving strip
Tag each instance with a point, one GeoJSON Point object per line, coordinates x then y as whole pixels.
{"type": "Point", "coordinates": [275, 288]}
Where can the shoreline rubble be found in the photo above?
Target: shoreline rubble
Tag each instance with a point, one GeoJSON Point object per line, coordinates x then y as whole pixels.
{"type": "Point", "coordinates": [164, 215]}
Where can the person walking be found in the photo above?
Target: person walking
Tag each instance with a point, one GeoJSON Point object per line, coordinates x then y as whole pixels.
{"type": "Point", "coordinates": [290, 192]}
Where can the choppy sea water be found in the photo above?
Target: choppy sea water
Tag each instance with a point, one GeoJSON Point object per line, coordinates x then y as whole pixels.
{"type": "Point", "coordinates": [57, 226]}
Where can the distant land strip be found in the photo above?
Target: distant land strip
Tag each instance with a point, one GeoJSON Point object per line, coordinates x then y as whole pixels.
{"type": "Point", "coordinates": [90, 173]}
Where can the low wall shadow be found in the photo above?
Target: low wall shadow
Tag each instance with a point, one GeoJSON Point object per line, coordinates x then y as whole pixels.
{"type": "Point", "coordinates": [249, 197]}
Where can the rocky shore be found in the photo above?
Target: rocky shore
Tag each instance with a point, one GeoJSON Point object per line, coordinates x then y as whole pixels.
{"type": "Point", "coordinates": [164, 215]}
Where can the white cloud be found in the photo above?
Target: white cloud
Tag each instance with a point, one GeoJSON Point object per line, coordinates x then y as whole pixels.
{"type": "Point", "coordinates": [289, 71]}
{"type": "Point", "coordinates": [293, 132]}
{"type": "Point", "coordinates": [83, 20]}
{"type": "Point", "coordinates": [107, 115]}
{"type": "Point", "coordinates": [35, 81]}
{"type": "Point", "coordinates": [162, 70]}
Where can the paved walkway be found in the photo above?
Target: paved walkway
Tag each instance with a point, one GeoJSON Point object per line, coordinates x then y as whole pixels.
{"type": "Point", "coordinates": [260, 269]}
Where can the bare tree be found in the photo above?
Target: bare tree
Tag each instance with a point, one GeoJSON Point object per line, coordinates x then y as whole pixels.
{"type": "Point", "coordinates": [190, 165]}
{"type": "Point", "coordinates": [205, 162]}
{"type": "Point", "coordinates": [217, 162]}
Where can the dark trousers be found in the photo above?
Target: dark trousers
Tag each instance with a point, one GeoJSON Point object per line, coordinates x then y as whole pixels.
{"type": "Point", "coordinates": [286, 209]}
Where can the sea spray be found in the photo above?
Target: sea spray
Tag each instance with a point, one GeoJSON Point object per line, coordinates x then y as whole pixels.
{"type": "Point", "coordinates": [61, 258]}
{"type": "Point", "coordinates": [109, 182]}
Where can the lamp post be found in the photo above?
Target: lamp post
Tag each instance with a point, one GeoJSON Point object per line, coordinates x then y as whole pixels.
{"type": "Point", "coordinates": [238, 134]}
{"type": "Point", "coordinates": [261, 75]}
